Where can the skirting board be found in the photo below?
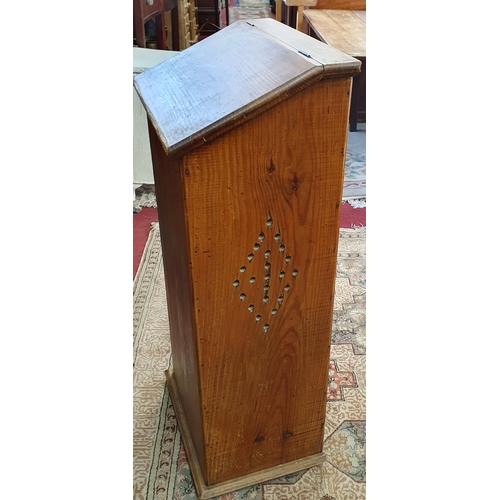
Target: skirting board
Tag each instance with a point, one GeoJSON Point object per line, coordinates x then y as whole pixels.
{"type": "Point", "coordinates": [205, 491]}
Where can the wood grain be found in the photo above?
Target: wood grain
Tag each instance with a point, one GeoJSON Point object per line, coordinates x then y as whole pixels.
{"type": "Point", "coordinates": [300, 18]}
{"type": "Point", "coordinates": [361, 14]}
{"type": "Point", "coordinates": [335, 63]}
{"type": "Point", "coordinates": [248, 149]}
{"type": "Point", "coordinates": [171, 218]}
{"type": "Point", "coordinates": [263, 394]}
{"type": "Point", "coordinates": [341, 4]}
{"type": "Point", "coordinates": [205, 491]}
{"type": "Point", "coordinates": [278, 14]}
{"type": "Point", "coordinates": [228, 78]}
{"type": "Point", "coordinates": [341, 29]}
{"type": "Point", "coordinates": [303, 3]}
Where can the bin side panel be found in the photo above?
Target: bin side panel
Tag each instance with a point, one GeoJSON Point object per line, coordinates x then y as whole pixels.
{"type": "Point", "coordinates": [174, 239]}
{"type": "Point", "coordinates": [263, 205]}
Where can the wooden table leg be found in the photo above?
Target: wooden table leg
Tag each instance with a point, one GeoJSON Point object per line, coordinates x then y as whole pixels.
{"type": "Point", "coordinates": [300, 17]}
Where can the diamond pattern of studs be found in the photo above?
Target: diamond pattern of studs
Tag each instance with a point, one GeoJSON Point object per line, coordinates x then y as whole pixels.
{"type": "Point", "coordinates": [250, 273]}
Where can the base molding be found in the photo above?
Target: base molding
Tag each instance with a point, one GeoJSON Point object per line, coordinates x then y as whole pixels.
{"type": "Point", "coordinates": [205, 491]}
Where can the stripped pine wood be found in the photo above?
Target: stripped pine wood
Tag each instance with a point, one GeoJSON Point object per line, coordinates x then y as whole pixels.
{"type": "Point", "coordinates": [199, 117]}
{"type": "Point", "coordinates": [342, 29]}
{"type": "Point", "coordinates": [334, 62]}
{"type": "Point", "coordinates": [263, 391]}
{"type": "Point", "coordinates": [175, 250]}
{"type": "Point", "coordinates": [361, 14]}
{"type": "Point", "coordinates": [303, 3]}
{"type": "Point", "coordinates": [245, 481]}
{"type": "Point", "coordinates": [341, 4]}
{"type": "Point", "coordinates": [249, 195]}
{"type": "Point", "coordinates": [300, 4]}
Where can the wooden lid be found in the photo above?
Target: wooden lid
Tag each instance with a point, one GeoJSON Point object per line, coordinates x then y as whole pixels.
{"type": "Point", "coordinates": [232, 76]}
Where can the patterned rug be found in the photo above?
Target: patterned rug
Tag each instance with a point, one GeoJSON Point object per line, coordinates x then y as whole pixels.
{"type": "Point", "coordinates": [161, 470]}
{"type": "Point", "coordinates": [355, 169]}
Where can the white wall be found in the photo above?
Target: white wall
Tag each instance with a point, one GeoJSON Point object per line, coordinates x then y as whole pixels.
{"type": "Point", "coordinates": [143, 168]}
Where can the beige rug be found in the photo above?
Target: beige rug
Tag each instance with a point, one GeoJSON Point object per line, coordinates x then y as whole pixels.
{"type": "Point", "coordinates": [161, 471]}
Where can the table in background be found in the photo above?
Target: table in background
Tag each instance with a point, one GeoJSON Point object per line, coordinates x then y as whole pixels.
{"type": "Point", "coordinates": [344, 30]}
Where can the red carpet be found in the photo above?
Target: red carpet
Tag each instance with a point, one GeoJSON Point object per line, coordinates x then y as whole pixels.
{"type": "Point", "coordinates": [142, 222]}
{"type": "Point", "coordinates": [142, 225]}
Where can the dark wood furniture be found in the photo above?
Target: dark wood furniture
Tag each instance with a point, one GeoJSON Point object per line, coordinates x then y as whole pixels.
{"type": "Point", "coordinates": [208, 16]}
{"type": "Point", "coordinates": [248, 154]}
{"type": "Point", "coordinates": [144, 10]}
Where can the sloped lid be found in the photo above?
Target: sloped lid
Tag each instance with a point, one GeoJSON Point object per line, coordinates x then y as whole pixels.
{"type": "Point", "coordinates": [231, 76]}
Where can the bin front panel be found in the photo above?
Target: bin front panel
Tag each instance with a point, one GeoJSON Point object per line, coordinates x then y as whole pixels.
{"type": "Point", "coordinates": [262, 208]}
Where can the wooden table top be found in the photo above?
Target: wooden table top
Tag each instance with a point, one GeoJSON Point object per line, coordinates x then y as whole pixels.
{"type": "Point", "coordinates": [344, 30]}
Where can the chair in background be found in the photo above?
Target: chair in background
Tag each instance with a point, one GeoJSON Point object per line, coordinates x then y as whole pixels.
{"type": "Point", "coordinates": [299, 8]}
{"type": "Point", "coordinates": [291, 9]}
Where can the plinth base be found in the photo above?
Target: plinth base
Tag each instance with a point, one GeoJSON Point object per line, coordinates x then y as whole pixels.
{"type": "Point", "coordinates": [205, 491]}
